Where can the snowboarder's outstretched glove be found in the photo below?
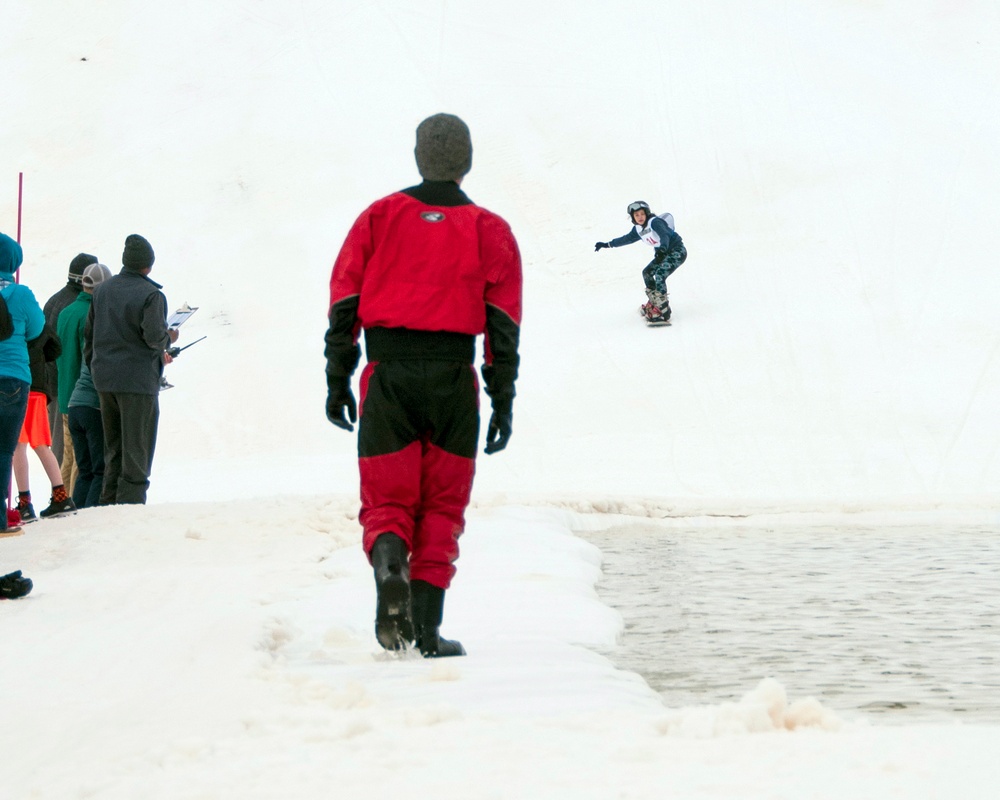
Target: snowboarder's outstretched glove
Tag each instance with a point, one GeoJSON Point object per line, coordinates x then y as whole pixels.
{"type": "Point", "coordinates": [600, 245]}
{"type": "Point", "coordinates": [500, 427]}
{"type": "Point", "coordinates": [339, 399]}
{"type": "Point", "coordinates": [661, 253]}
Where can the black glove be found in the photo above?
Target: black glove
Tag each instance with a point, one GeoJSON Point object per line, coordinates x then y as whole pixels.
{"type": "Point", "coordinates": [499, 430]}
{"type": "Point", "coordinates": [661, 253]}
{"type": "Point", "coordinates": [600, 245]}
{"type": "Point", "coordinates": [338, 399]}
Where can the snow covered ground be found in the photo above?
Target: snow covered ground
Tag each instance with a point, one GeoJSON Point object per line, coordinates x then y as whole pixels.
{"type": "Point", "coordinates": [831, 167]}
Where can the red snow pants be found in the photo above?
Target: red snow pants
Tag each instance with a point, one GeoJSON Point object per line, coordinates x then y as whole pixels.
{"type": "Point", "coordinates": [417, 438]}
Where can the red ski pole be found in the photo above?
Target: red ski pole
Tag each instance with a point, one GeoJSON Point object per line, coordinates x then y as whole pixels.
{"type": "Point", "coordinates": [14, 518]}
{"type": "Point", "coordinates": [20, 197]}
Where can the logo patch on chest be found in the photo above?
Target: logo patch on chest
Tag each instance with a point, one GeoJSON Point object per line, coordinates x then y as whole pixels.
{"type": "Point", "coordinates": [432, 216]}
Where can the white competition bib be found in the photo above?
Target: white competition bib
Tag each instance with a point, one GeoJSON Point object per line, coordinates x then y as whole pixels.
{"type": "Point", "coordinates": [648, 235]}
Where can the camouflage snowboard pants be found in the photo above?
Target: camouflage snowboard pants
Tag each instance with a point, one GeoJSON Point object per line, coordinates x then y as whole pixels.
{"type": "Point", "coordinates": [662, 267]}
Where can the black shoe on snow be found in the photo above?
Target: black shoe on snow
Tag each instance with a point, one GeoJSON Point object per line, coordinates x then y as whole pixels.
{"type": "Point", "coordinates": [55, 509]}
{"type": "Point", "coordinates": [393, 623]}
{"type": "Point", "coordinates": [428, 610]}
{"type": "Point", "coordinates": [14, 585]}
{"type": "Point", "coordinates": [27, 512]}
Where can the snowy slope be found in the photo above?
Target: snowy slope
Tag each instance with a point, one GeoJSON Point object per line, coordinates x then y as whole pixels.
{"type": "Point", "coordinates": [835, 338]}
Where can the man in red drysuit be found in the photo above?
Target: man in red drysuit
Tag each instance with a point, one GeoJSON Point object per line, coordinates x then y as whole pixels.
{"type": "Point", "coordinates": [423, 272]}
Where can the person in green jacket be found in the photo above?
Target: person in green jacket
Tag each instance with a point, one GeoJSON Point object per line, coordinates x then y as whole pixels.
{"type": "Point", "coordinates": [69, 329]}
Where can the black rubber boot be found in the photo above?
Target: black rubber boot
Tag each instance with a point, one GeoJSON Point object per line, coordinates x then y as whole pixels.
{"type": "Point", "coordinates": [393, 621]}
{"type": "Point", "coordinates": [428, 610]}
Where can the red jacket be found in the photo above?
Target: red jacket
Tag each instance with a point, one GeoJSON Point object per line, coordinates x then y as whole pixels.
{"type": "Point", "coordinates": [428, 259]}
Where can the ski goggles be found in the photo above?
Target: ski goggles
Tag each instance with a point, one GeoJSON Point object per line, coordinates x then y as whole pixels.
{"type": "Point", "coordinates": [639, 206]}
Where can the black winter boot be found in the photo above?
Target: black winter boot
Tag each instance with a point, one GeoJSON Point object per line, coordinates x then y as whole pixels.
{"type": "Point", "coordinates": [428, 610]}
{"type": "Point", "coordinates": [393, 622]}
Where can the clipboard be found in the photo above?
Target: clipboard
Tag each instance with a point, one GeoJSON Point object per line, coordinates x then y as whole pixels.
{"type": "Point", "coordinates": [180, 316]}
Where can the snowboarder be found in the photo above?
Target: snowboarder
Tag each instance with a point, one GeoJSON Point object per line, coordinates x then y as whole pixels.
{"type": "Point", "coordinates": [658, 232]}
{"type": "Point", "coordinates": [423, 272]}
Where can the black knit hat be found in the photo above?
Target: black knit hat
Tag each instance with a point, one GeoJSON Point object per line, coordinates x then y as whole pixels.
{"type": "Point", "coordinates": [444, 148]}
{"type": "Point", "coordinates": [78, 265]}
{"type": "Point", "coordinates": [138, 254]}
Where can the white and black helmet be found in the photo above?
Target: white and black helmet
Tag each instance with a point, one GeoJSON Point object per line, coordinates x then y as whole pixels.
{"type": "Point", "coordinates": [639, 205]}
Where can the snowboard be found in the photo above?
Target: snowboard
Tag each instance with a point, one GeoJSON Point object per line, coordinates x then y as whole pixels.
{"type": "Point", "coordinates": [651, 323]}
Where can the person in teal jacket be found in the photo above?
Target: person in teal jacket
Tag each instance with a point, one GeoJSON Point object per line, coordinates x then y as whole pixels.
{"type": "Point", "coordinates": [15, 375]}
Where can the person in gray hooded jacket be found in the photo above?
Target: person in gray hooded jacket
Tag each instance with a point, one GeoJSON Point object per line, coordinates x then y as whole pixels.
{"type": "Point", "coordinates": [125, 343]}
{"type": "Point", "coordinates": [83, 408]}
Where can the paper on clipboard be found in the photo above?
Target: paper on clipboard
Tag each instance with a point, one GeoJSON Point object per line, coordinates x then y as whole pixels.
{"type": "Point", "coordinates": [180, 316]}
